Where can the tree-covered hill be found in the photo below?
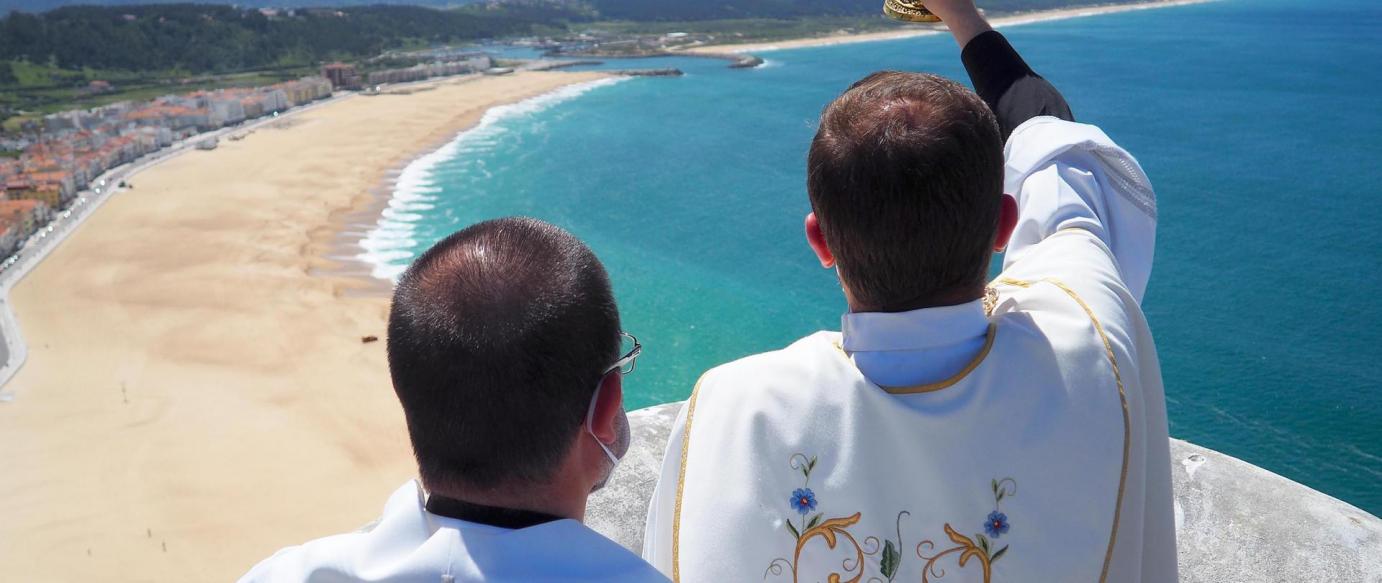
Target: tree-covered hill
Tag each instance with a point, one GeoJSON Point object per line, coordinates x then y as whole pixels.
{"type": "Point", "coordinates": [211, 38]}
{"type": "Point", "coordinates": [35, 6]}
{"type": "Point", "coordinates": [198, 38]}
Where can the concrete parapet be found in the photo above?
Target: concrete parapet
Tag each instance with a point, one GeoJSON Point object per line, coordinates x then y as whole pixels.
{"type": "Point", "coordinates": [1238, 522]}
{"type": "Point", "coordinates": [1234, 521]}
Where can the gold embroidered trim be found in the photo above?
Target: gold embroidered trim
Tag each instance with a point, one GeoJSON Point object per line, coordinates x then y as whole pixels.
{"type": "Point", "coordinates": [681, 483]}
{"type": "Point", "coordinates": [936, 386]}
{"type": "Point", "coordinates": [1081, 229]}
{"type": "Point", "coordinates": [1016, 282]}
{"type": "Point", "coordinates": [1122, 397]}
{"type": "Point", "coordinates": [969, 368]}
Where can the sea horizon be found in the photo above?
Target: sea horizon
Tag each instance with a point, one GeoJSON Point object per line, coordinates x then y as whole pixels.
{"type": "Point", "coordinates": [1260, 362]}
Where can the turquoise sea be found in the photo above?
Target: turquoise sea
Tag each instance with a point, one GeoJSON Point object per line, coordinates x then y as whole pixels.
{"type": "Point", "coordinates": [1259, 121]}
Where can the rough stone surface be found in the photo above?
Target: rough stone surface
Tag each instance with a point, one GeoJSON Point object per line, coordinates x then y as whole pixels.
{"type": "Point", "coordinates": [1234, 521]}
{"type": "Point", "coordinates": [1238, 522]}
{"type": "Point", "coordinates": [618, 511]}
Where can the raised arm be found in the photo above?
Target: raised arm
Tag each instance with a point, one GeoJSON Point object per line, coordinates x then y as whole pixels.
{"type": "Point", "coordinates": [1064, 175]}
{"type": "Point", "coordinates": [1012, 89]}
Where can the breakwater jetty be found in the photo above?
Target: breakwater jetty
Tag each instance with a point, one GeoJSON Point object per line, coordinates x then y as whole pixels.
{"type": "Point", "coordinates": [736, 60]}
{"type": "Point", "coordinates": [1234, 521]}
{"type": "Point", "coordinates": [649, 72]}
{"type": "Point", "coordinates": [552, 65]}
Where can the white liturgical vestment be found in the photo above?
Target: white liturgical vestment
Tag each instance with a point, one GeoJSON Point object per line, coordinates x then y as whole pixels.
{"type": "Point", "coordinates": [1023, 441]}
{"type": "Point", "coordinates": [408, 544]}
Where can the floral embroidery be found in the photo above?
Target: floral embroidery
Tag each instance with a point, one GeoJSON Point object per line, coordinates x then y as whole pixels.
{"type": "Point", "coordinates": [804, 501]}
{"type": "Point", "coordinates": [836, 533]}
{"type": "Point", "coordinates": [978, 548]}
{"type": "Point", "coordinates": [997, 524]}
{"type": "Point", "coordinates": [832, 530]}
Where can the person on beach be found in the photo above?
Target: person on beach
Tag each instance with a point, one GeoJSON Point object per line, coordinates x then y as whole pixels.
{"type": "Point", "coordinates": [1013, 430]}
{"type": "Point", "coordinates": [506, 353]}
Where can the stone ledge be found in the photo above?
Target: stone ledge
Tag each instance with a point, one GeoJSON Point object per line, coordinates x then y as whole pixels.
{"type": "Point", "coordinates": [1234, 521]}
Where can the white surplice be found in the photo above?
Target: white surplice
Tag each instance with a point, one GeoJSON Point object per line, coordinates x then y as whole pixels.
{"type": "Point", "coordinates": [951, 444]}
{"type": "Point", "coordinates": [408, 544]}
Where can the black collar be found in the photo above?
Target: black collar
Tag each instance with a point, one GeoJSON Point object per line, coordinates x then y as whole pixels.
{"type": "Point", "coordinates": [490, 515]}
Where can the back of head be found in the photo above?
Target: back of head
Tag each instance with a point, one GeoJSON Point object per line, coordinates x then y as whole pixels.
{"type": "Point", "coordinates": [906, 178]}
{"type": "Point", "coordinates": [498, 336]}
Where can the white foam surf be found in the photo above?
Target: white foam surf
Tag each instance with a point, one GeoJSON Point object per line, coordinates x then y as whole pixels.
{"type": "Point", "coordinates": [388, 246]}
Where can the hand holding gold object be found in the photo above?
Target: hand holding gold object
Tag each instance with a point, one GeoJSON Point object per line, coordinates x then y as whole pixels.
{"type": "Point", "coordinates": [909, 11]}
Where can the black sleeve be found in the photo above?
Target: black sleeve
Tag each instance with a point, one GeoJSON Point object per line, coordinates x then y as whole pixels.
{"type": "Point", "coordinates": [1011, 88]}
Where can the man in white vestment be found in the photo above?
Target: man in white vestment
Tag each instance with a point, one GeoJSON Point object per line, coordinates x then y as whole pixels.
{"type": "Point", "coordinates": [506, 354]}
{"type": "Point", "coordinates": [956, 429]}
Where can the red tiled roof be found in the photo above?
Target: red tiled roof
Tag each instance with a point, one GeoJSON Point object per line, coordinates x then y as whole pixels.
{"type": "Point", "coordinates": [13, 206]}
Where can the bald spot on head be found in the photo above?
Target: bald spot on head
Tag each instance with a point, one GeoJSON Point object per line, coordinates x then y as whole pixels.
{"type": "Point", "coordinates": [493, 282]}
{"type": "Point", "coordinates": [498, 335]}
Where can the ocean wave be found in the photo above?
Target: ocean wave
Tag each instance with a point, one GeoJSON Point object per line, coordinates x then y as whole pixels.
{"type": "Point", "coordinates": [388, 246]}
{"type": "Point", "coordinates": [416, 206]}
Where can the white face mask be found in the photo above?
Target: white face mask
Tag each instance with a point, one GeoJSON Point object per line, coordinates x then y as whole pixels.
{"type": "Point", "coordinates": [590, 427]}
{"type": "Point", "coordinates": [621, 440]}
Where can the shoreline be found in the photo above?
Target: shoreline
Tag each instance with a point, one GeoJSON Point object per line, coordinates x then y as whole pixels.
{"type": "Point", "coordinates": [336, 243]}
{"type": "Point", "coordinates": [198, 393]}
{"type": "Point", "coordinates": [367, 230]}
{"type": "Point", "coordinates": [917, 30]}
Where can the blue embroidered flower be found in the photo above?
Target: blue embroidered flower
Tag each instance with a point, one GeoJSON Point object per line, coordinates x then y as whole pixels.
{"type": "Point", "coordinates": [803, 500]}
{"type": "Point", "coordinates": [997, 524]}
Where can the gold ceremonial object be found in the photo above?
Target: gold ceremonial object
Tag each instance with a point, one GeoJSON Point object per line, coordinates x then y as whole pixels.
{"type": "Point", "coordinates": [908, 11]}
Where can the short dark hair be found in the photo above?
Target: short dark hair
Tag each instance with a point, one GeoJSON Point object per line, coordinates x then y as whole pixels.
{"type": "Point", "coordinates": [498, 336]}
{"type": "Point", "coordinates": [905, 176]}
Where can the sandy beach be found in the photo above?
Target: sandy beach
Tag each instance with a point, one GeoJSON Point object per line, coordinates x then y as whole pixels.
{"type": "Point", "coordinates": [915, 30]}
{"type": "Point", "coordinates": [197, 394]}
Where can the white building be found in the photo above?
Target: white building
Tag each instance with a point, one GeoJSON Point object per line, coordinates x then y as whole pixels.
{"type": "Point", "coordinates": [225, 111]}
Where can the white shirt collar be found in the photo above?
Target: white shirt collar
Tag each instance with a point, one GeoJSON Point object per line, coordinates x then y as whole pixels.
{"type": "Point", "coordinates": [409, 543]}
{"type": "Point", "coordinates": [914, 330]}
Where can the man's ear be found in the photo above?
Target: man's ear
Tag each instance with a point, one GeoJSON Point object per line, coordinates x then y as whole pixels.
{"type": "Point", "coordinates": [816, 240]}
{"type": "Point", "coordinates": [1007, 222]}
{"type": "Point", "coordinates": [607, 408]}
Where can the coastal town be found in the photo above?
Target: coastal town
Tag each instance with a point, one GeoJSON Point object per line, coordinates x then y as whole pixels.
{"type": "Point", "coordinates": [72, 149]}
{"type": "Point", "coordinates": [54, 162]}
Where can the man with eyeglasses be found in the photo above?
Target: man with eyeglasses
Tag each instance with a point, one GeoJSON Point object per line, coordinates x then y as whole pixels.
{"type": "Point", "coordinates": [506, 353]}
